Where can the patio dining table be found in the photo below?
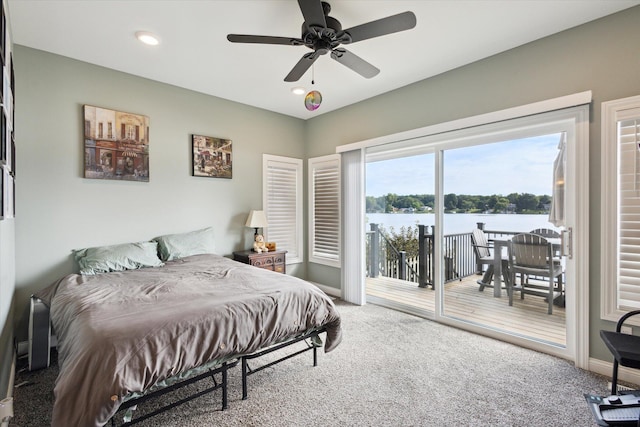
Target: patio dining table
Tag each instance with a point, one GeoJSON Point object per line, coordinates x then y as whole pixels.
{"type": "Point", "coordinates": [499, 245]}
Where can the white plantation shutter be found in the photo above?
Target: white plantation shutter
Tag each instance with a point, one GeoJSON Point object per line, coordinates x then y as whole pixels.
{"type": "Point", "coordinates": [629, 213]}
{"type": "Point", "coordinates": [282, 204]}
{"type": "Point", "coordinates": [324, 210]}
{"type": "Point", "coordinates": [620, 193]}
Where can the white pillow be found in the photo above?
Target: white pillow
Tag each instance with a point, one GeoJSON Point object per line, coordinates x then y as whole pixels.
{"type": "Point", "coordinates": [176, 246]}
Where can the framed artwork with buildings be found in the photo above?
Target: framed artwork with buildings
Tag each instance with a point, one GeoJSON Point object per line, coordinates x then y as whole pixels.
{"type": "Point", "coordinates": [211, 157]}
{"type": "Point", "coordinates": [12, 86]}
{"type": "Point", "coordinates": [9, 194]}
{"type": "Point", "coordinates": [2, 193]}
{"type": "Point", "coordinates": [116, 145]}
{"type": "Point", "coordinates": [3, 30]}
{"type": "Point", "coordinates": [3, 138]}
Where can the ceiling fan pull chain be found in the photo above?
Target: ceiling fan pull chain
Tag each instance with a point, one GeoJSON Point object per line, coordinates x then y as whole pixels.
{"type": "Point", "coordinates": [313, 99]}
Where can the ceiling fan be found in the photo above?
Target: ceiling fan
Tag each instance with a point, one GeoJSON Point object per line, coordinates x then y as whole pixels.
{"type": "Point", "coordinates": [323, 34]}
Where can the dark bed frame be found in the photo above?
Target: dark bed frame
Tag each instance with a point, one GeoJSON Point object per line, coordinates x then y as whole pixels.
{"type": "Point", "coordinates": [222, 383]}
{"type": "Point", "coordinates": [221, 371]}
{"type": "Point", "coordinates": [307, 338]}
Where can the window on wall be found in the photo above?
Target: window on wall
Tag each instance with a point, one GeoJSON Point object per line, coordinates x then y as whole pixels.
{"type": "Point", "coordinates": [282, 204]}
{"type": "Point", "coordinates": [324, 210]}
{"type": "Point", "coordinates": [620, 261]}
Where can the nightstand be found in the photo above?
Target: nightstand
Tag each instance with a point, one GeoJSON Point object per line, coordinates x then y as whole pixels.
{"type": "Point", "coordinates": [272, 260]}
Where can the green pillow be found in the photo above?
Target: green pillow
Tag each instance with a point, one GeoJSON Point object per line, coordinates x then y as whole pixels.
{"type": "Point", "coordinates": [176, 246]}
{"type": "Point", "coordinates": [127, 256]}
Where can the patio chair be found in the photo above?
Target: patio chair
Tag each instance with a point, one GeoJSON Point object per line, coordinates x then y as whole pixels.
{"type": "Point", "coordinates": [532, 255]}
{"type": "Point", "coordinates": [547, 233]}
{"type": "Point", "coordinates": [484, 256]}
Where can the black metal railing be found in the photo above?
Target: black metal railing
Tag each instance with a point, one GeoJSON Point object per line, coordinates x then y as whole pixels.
{"type": "Point", "coordinates": [384, 259]}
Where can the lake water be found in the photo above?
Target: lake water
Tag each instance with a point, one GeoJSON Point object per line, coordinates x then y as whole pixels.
{"type": "Point", "coordinates": [463, 223]}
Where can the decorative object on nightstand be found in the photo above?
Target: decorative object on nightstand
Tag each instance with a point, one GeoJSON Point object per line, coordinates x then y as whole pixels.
{"type": "Point", "coordinates": [272, 260]}
{"type": "Point", "coordinates": [256, 219]}
{"type": "Point", "coordinates": [259, 244]}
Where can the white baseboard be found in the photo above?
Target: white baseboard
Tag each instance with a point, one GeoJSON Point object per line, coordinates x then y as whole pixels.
{"type": "Point", "coordinates": [627, 375]}
{"type": "Point", "coordinates": [329, 290]}
{"type": "Point", "coordinates": [12, 375]}
{"type": "Point", "coordinates": [6, 404]}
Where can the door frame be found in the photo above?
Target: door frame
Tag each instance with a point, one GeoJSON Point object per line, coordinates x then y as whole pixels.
{"type": "Point", "coordinates": [557, 110]}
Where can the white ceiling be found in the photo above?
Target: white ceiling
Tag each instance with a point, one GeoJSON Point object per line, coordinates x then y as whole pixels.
{"type": "Point", "coordinates": [195, 54]}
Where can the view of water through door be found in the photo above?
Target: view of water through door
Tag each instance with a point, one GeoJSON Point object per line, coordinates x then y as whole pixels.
{"type": "Point", "coordinates": [501, 189]}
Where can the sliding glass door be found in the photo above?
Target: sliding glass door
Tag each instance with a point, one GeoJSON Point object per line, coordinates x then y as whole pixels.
{"type": "Point", "coordinates": [400, 203]}
{"type": "Point", "coordinates": [441, 211]}
{"type": "Point", "coordinates": [492, 192]}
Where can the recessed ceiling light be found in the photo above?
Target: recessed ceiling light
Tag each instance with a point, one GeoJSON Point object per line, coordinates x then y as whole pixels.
{"type": "Point", "coordinates": [298, 90]}
{"type": "Point", "coordinates": [147, 38]}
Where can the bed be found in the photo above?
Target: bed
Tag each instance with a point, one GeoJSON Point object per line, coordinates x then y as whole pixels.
{"type": "Point", "coordinates": [123, 332]}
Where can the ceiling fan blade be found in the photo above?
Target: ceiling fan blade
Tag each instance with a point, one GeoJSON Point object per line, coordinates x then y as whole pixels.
{"type": "Point", "coordinates": [313, 13]}
{"type": "Point", "coordinates": [301, 67]}
{"type": "Point", "coordinates": [354, 62]}
{"type": "Point", "coordinates": [245, 38]}
{"type": "Point", "coordinates": [390, 24]}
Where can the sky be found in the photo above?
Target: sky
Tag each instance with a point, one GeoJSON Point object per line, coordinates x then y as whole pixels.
{"type": "Point", "coordinates": [518, 166]}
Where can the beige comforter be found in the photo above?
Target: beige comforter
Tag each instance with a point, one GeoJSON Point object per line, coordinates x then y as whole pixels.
{"type": "Point", "coordinates": [122, 332]}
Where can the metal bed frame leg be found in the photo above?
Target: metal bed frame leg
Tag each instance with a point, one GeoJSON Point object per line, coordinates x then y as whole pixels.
{"type": "Point", "coordinates": [225, 403]}
{"type": "Point", "coordinates": [244, 378]}
{"type": "Point", "coordinates": [315, 356]}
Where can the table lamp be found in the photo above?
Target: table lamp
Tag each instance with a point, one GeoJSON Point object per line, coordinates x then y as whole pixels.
{"type": "Point", "coordinates": [256, 219]}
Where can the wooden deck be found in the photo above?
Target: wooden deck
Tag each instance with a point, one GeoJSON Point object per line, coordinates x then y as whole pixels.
{"type": "Point", "coordinates": [463, 300]}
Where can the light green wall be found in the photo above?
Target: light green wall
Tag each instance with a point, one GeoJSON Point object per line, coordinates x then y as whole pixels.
{"type": "Point", "coordinates": [58, 210]}
{"type": "Point", "coordinates": [602, 56]}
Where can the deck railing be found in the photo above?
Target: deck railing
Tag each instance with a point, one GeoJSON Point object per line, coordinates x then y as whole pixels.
{"type": "Point", "coordinates": [383, 259]}
{"type": "Point", "coordinates": [386, 260]}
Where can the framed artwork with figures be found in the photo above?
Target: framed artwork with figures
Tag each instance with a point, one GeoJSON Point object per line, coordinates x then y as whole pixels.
{"type": "Point", "coordinates": [211, 157]}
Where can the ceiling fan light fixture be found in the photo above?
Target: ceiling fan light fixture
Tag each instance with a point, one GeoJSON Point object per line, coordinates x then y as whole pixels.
{"type": "Point", "coordinates": [147, 38]}
{"type": "Point", "coordinates": [298, 90]}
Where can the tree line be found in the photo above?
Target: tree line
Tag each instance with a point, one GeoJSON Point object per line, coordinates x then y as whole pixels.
{"type": "Point", "coordinates": [460, 203]}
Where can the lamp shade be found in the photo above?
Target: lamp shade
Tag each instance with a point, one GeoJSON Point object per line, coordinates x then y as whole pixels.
{"type": "Point", "coordinates": [257, 219]}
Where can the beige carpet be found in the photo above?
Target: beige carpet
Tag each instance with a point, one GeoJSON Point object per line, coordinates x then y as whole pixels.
{"type": "Point", "coordinates": [392, 369]}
